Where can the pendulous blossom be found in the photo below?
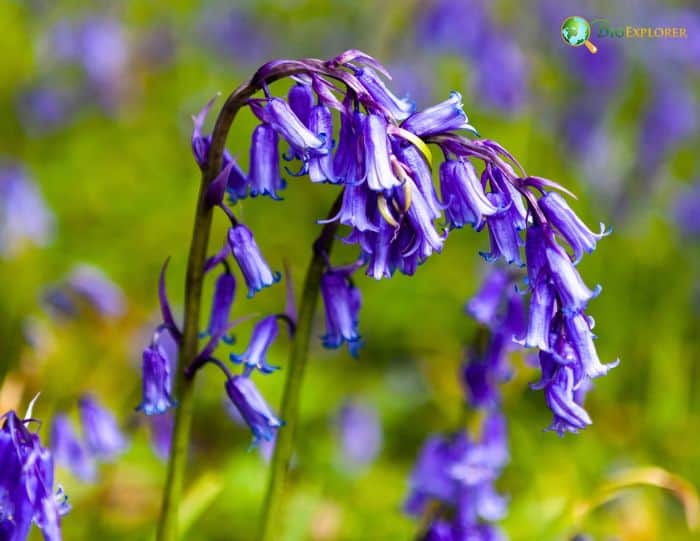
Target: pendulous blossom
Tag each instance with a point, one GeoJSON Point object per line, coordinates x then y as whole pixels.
{"type": "Point", "coordinates": [157, 380]}
{"type": "Point", "coordinates": [224, 292]}
{"type": "Point", "coordinates": [264, 334]}
{"type": "Point", "coordinates": [398, 108]}
{"type": "Point", "coordinates": [265, 177]}
{"type": "Point", "coordinates": [27, 484]}
{"type": "Point", "coordinates": [443, 117]}
{"type": "Point", "coordinates": [465, 200]}
{"type": "Point", "coordinates": [69, 451]}
{"type": "Point", "coordinates": [253, 408]}
{"type": "Point", "coordinates": [342, 301]}
{"type": "Point", "coordinates": [380, 175]}
{"type": "Point", "coordinates": [102, 435]}
{"type": "Point", "coordinates": [277, 114]}
{"type": "Point", "coordinates": [255, 270]}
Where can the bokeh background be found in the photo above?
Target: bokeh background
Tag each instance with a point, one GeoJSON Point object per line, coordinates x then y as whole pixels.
{"type": "Point", "coordinates": [96, 98]}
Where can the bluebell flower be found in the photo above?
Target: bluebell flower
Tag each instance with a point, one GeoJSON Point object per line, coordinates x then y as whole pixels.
{"type": "Point", "coordinates": [484, 306]}
{"type": "Point", "coordinates": [398, 108]}
{"type": "Point", "coordinates": [360, 433]}
{"type": "Point", "coordinates": [278, 114]}
{"type": "Point", "coordinates": [97, 289]}
{"type": "Point", "coordinates": [348, 162]}
{"type": "Point", "coordinates": [480, 384]}
{"type": "Point", "coordinates": [443, 117]}
{"type": "Point", "coordinates": [100, 431]}
{"type": "Point", "coordinates": [422, 176]}
{"type": "Point", "coordinates": [224, 292]}
{"type": "Point", "coordinates": [541, 312]}
{"type": "Point", "coordinates": [27, 484]}
{"type": "Point", "coordinates": [321, 168]}
{"type": "Point", "coordinates": [572, 292]}
{"type": "Point", "coordinates": [265, 177]}
{"type": "Point", "coordinates": [504, 87]}
{"type": "Point", "coordinates": [156, 381]}
{"type": "Point", "coordinates": [24, 215]}
{"type": "Point", "coordinates": [237, 182]}
{"type": "Point", "coordinates": [342, 301]}
{"type": "Point", "coordinates": [255, 356]}
{"type": "Point", "coordinates": [426, 238]}
{"type": "Point", "coordinates": [359, 202]}
{"type": "Point", "coordinates": [463, 195]}
{"type": "Point", "coordinates": [252, 406]}
{"type": "Point", "coordinates": [579, 335]}
{"type": "Point", "coordinates": [380, 261]}
{"type": "Point", "coordinates": [558, 382]}
{"type": "Point", "coordinates": [503, 233]}
{"type": "Point", "coordinates": [379, 173]}
{"type": "Point", "coordinates": [69, 451]}
{"type": "Point", "coordinates": [559, 214]}
{"type": "Point", "coordinates": [301, 101]}
{"type": "Point", "coordinates": [255, 270]}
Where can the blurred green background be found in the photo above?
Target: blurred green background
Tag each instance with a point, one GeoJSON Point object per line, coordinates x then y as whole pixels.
{"type": "Point", "coordinates": [104, 133]}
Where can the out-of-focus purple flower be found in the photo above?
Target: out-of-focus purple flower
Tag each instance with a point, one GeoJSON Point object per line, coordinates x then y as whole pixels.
{"type": "Point", "coordinates": [91, 284]}
{"type": "Point", "coordinates": [480, 384]}
{"type": "Point", "coordinates": [157, 380]}
{"type": "Point", "coordinates": [255, 270]}
{"type": "Point", "coordinates": [24, 215]}
{"type": "Point", "coordinates": [263, 336]}
{"type": "Point", "coordinates": [671, 118]}
{"type": "Point", "coordinates": [27, 484]}
{"type": "Point", "coordinates": [459, 474]}
{"type": "Point", "coordinates": [342, 301]}
{"type": "Point", "coordinates": [44, 108]}
{"type": "Point", "coordinates": [502, 72]}
{"type": "Point", "coordinates": [224, 30]}
{"type": "Point", "coordinates": [161, 428]}
{"type": "Point", "coordinates": [69, 451]}
{"type": "Point", "coordinates": [102, 435]}
{"type": "Point", "coordinates": [686, 211]}
{"type": "Point", "coordinates": [453, 27]}
{"type": "Point", "coordinates": [484, 306]}
{"type": "Point", "coordinates": [360, 433]}
{"type": "Point", "coordinates": [262, 422]}
{"type": "Point", "coordinates": [265, 177]}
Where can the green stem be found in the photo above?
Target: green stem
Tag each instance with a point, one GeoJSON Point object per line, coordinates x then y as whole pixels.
{"type": "Point", "coordinates": [172, 491]}
{"type": "Point", "coordinates": [273, 512]}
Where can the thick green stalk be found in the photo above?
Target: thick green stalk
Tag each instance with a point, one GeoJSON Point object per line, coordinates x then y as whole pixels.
{"type": "Point", "coordinates": [273, 513]}
{"type": "Point", "coordinates": [172, 492]}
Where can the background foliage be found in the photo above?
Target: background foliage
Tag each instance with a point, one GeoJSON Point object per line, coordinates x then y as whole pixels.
{"type": "Point", "coordinates": [112, 161]}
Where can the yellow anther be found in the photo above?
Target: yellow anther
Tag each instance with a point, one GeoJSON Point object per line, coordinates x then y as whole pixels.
{"type": "Point", "coordinates": [415, 141]}
{"type": "Point", "coordinates": [384, 211]}
{"type": "Point", "coordinates": [408, 194]}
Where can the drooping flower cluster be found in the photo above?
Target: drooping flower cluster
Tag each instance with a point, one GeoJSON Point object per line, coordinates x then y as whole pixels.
{"type": "Point", "coordinates": [85, 288]}
{"type": "Point", "coordinates": [392, 211]}
{"type": "Point", "coordinates": [27, 492]}
{"type": "Point", "coordinates": [457, 472]}
{"type": "Point", "coordinates": [24, 215]}
{"type": "Point", "coordinates": [158, 362]}
{"type": "Point", "coordinates": [102, 440]}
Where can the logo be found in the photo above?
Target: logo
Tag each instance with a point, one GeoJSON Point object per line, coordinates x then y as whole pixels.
{"type": "Point", "coordinates": [575, 31]}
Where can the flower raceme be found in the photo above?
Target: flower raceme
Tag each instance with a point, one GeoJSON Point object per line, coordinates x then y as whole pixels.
{"type": "Point", "coordinates": [396, 217]}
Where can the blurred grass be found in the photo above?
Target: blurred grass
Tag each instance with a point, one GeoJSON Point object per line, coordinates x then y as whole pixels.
{"type": "Point", "coordinates": [123, 185]}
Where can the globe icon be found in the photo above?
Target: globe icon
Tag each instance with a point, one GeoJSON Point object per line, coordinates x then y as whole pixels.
{"type": "Point", "coordinates": [575, 31]}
